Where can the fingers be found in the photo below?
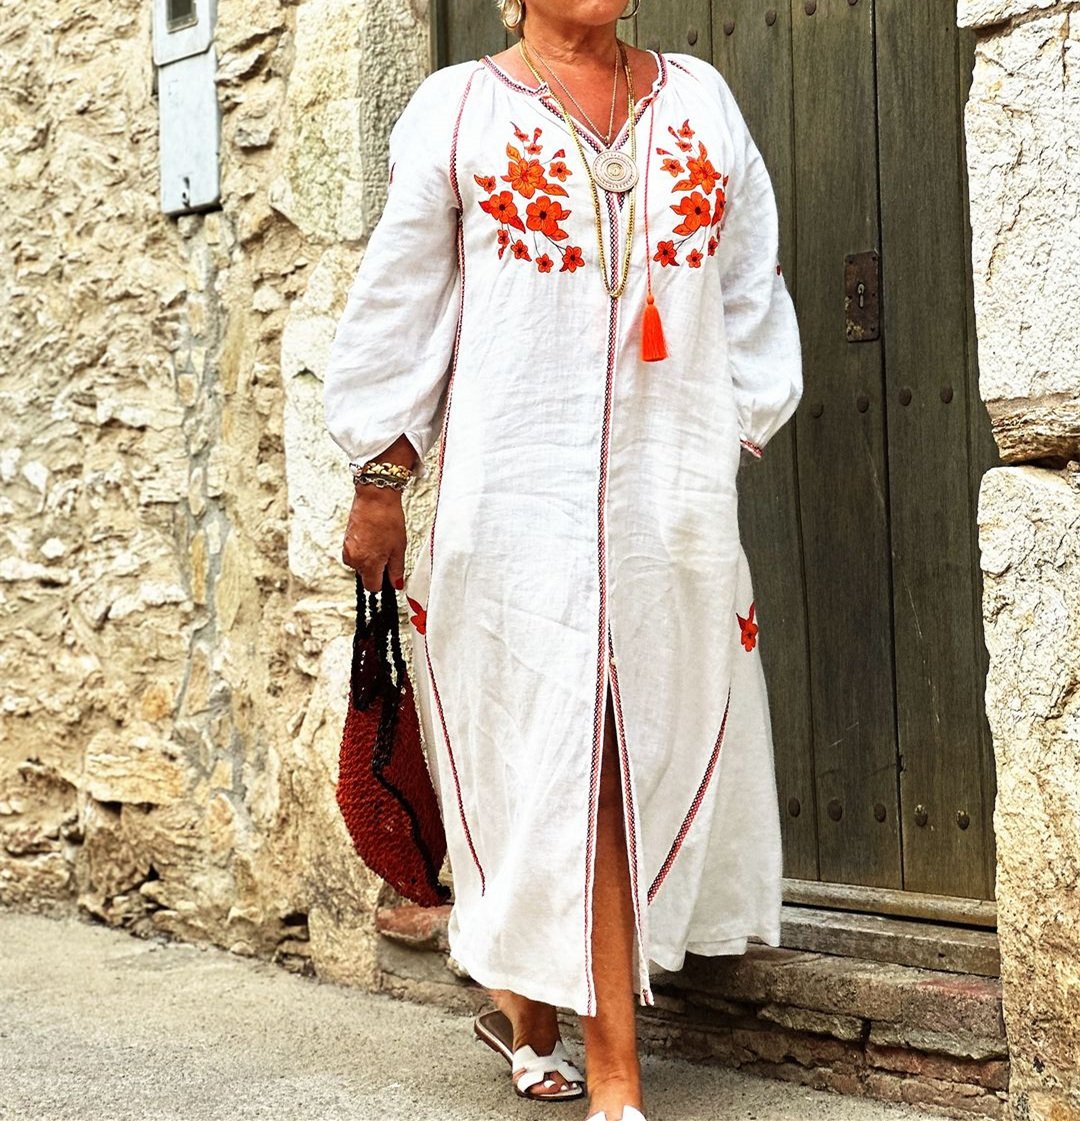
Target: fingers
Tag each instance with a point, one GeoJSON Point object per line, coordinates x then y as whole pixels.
{"type": "Point", "coordinates": [396, 564]}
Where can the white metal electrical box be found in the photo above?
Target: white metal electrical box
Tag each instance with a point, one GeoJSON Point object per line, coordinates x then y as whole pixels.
{"type": "Point", "coordinates": [188, 113]}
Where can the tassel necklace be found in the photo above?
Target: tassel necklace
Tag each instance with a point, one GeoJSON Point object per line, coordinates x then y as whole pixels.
{"type": "Point", "coordinates": [615, 172]}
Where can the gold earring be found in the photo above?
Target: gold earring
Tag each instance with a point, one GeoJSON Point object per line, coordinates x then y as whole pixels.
{"type": "Point", "coordinates": [518, 8]}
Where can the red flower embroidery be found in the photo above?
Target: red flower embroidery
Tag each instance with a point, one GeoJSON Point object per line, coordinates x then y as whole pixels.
{"type": "Point", "coordinates": [682, 137]}
{"type": "Point", "coordinates": [699, 211]}
{"type": "Point", "coordinates": [721, 203]}
{"type": "Point", "coordinates": [419, 619]}
{"type": "Point", "coordinates": [749, 628]}
{"type": "Point", "coordinates": [528, 181]}
{"type": "Point", "coordinates": [665, 253]}
{"type": "Point", "coordinates": [696, 213]}
{"type": "Point", "coordinates": [701, 171]}
{"type": "Point", "coordinates": [545, 215]}
{"type": "Point", "coordinates": [503, 209]}
{"type": "Point", "coordinates": [571, 259]}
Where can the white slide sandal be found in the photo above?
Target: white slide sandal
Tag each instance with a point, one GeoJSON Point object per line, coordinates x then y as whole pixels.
{"type": "Point", "coordinates": [526, 1066]}
{"type": "Point", "coordinates": [629, 1113]}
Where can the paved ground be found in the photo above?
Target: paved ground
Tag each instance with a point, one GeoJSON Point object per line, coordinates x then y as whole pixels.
{"type": "Point", "coordinates": [98, 1026]}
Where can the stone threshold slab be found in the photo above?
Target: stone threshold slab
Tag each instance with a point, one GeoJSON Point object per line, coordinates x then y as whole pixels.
{"type": "Point", "coordinates": [885, 1031]}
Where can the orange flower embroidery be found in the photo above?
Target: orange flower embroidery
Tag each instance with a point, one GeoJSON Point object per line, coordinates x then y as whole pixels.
{"type": "Point", "coordinates": [701, 214]}
{"type": "Point", "coordinates": [696, 213]}
{"type": "Point", "coordinates": [665, 253]}
{"type": "Point", "coordinates": [525, 176]}
{"type": "Point", "coordinates": [701, 171]}
{"type": "Point", "coordinates": [682, 137]}
{"type": "Point", "coordinates": [749, 629]}
{"type": "Point", "coordinates": [571, 259]}
{"type": "Point", "coordinates": [503, 209]}
{"type": "Point", "coordinates": [419, 619]}
{"type": "Point", "coordinates": [545, 216]}
{"type": "Point", "coordinates": [721, 205]}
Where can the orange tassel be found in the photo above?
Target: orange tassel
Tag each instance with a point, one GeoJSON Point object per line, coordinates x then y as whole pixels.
{"type": "Point", "coordinates": [653, 347]}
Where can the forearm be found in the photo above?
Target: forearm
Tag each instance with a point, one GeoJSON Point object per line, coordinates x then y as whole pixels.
{"type": "Point", "coordinates": [400, 452]}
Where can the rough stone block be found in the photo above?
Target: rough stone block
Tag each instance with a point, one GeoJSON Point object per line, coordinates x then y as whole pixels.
{"type": "Point", "coordinates": [1029, 536]}
{"type": "Point", "coordinates": [1022, 117]}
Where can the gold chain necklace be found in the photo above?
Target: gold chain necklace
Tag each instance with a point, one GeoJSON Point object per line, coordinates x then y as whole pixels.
{"type": "Point", "coordinates": [569, 93]}
{"type": "Point", "coordinates": [624, 270]}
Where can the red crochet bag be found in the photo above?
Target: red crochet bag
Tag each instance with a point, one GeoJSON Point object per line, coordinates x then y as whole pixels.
{"type": "Point", "coordinates": [384, 789]}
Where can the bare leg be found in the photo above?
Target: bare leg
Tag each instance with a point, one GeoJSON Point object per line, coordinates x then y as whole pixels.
{"type": "Point", "coordinates": [611, 1055]}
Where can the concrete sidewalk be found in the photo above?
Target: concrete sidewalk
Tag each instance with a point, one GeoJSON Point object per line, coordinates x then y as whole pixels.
{"type": "Point", "coordinates": [98, 1026]}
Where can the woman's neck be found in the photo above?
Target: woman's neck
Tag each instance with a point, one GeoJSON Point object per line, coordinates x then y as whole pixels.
{"type": "Point", "coordinates": [570, 44]}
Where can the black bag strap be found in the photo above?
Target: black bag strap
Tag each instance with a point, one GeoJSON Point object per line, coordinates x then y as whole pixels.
{"type": "Point", "coordinates": [378, 665]}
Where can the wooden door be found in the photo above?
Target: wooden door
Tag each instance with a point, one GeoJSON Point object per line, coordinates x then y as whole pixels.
{"type": "Point", "coordinates": [860, 520]}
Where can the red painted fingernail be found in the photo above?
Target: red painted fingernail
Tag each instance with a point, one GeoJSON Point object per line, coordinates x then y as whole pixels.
{"type": "Point", "coordinates": [399, 584]}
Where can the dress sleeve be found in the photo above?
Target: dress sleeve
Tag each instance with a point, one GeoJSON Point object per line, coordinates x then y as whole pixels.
{"type": "Point", "coordinates": [764, 349]}
{"type": "Point", "coordinates": [390, 357]}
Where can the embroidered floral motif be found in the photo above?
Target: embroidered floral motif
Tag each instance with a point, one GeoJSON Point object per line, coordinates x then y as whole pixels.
{"type": "Point", "coordinates": [419, 619]}
{"type": "Point", "coordinates": [701, 212]}
{"type": "Point", "coordinates": [531, 205]}
{"type": "Point", "coordinates": [748, 627]}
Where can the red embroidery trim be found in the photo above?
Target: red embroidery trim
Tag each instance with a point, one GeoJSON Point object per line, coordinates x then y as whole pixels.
{"type": "Point", "coordinates": [694, 806]}
{"type": "Point", "coordinates": [442, 456]}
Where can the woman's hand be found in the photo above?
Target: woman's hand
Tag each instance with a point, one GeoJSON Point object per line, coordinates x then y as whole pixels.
{"type": "Point", "coordinates": [375, 538]}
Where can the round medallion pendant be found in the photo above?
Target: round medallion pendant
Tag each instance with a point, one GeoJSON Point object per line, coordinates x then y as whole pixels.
{"type": "Point", "coordinates": [615, 171]}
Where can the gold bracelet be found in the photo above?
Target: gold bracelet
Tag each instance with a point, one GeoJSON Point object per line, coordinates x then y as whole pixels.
{"type": "Point", "coordinates": [381, 469]}
{"type": "Point", "coordinates": [379, 481]}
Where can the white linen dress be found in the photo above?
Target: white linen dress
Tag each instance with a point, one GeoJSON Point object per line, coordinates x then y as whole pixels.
{"type": "Point", "coordinates": [585, 535]}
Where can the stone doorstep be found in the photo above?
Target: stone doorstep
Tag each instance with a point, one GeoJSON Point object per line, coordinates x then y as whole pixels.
{"type": "Point", "coordinates": [898, 1033]}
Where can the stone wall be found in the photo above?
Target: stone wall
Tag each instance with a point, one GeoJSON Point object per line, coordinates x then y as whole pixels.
{"type": "Point", "coordinates": [1023, 117]}
{"type": "Point", "coordinates": [174, 614]}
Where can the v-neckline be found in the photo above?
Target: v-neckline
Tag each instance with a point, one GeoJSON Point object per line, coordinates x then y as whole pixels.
{"type": "Point", "coordinates": [547, 98]}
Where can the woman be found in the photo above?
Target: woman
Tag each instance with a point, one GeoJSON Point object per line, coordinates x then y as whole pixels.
{"type": "Point", "coordinates": [575, 283]}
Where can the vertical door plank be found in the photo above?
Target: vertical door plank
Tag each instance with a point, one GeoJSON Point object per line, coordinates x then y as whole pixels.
{"type": "Point", "coordinates": [944, 827]}
{"type": "Point", "coordinates": [675, 25]}
{"type": "Point", "coordinates": [840, 451]}
{"type": "Point", "coordinates": [747, 45]}
{"type": "Point", "coordinates": [467, 29]}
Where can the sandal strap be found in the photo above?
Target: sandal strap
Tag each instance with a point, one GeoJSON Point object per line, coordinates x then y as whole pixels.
{"type": "Point", "coordinates": [530, 1068]}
